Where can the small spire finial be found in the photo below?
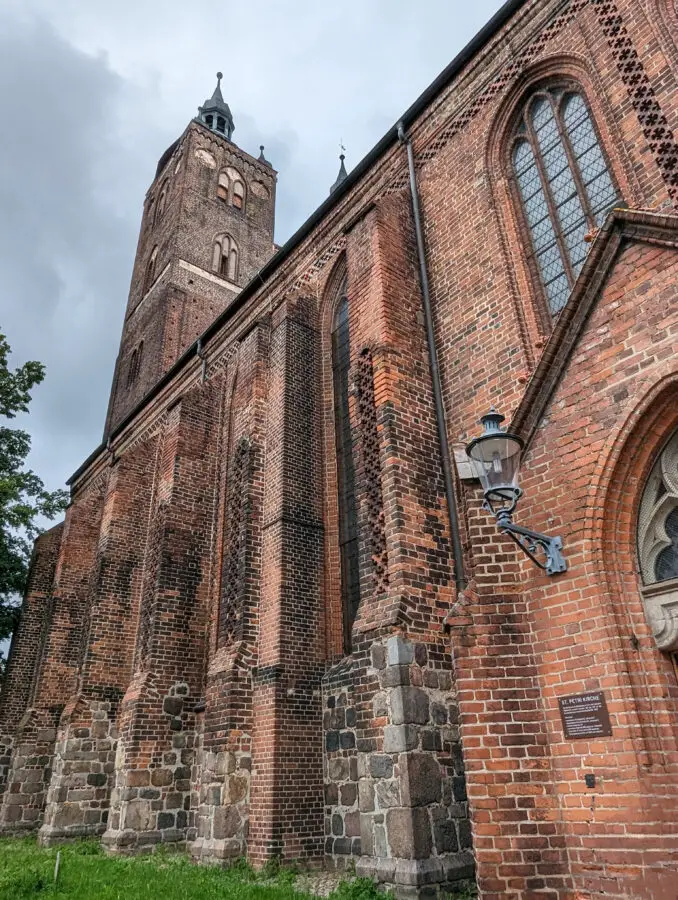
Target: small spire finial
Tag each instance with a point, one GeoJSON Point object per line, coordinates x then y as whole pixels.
{"type": "Point", "coordinates": [262, 158]}
{"type": "Point", "coordinates": [220, 75]}
{"type": "Point", "coordinates": [343, 174]}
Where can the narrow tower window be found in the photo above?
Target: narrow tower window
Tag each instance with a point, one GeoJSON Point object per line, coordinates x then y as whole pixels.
{"type": "Point", "coordinates": [564, 183]}
{"type": "Point", "coordinates": [348, 518]}
{"type": "Point", "coordinates": [221, 124]}
{"type": "Point", "coordinates": [160, 205]}
{"type": "Point", "coordinates": [238, 194]}
{"type": "Point", "coordinates": [225, 257]}
{"type": "Point", "coordinates": [135, 364]}
{"type": "Point", "coordinates": [150, 271]}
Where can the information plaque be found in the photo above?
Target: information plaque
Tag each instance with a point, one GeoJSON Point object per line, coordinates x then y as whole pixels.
{"type": "Point", "coordinates": [585, 716]}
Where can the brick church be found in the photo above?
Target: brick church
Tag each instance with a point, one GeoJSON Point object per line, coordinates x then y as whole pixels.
{"type": "Point", "coordinates": [278, 620]}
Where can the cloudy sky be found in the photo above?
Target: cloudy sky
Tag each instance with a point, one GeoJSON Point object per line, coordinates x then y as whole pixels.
{"type": "Point", "coordinates": [92, 92]}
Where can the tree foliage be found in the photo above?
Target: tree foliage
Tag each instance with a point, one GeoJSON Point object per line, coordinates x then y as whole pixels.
{"type": "Point", "coordinates": [23, 498]}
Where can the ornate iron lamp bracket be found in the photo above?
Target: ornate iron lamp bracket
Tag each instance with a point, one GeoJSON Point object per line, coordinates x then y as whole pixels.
{"type": "Point", "coordinates": [534, 542]}
{"type": "Point", "coordinates": [495, 455]}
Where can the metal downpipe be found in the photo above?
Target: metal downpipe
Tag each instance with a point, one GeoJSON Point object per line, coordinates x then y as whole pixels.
{"type": "Point", "coordinates": [459, 575]}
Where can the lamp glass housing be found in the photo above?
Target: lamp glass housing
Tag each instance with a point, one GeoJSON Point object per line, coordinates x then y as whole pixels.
{"type": "Point", "coordinates": [496, 459]}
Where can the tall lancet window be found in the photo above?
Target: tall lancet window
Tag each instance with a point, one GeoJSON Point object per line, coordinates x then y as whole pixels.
{"type": "Point", "coordinates": [348, 518]}
{"type": "Point", "coordinates": [564, 183]}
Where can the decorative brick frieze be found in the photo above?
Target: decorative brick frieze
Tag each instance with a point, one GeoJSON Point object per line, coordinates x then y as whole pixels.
{"type": "Point", "coordinates": [236, 521]}
{"type": "Point", "coordinates": [656, 129]}
{"type": "Point", "coordinates": [371, 473]}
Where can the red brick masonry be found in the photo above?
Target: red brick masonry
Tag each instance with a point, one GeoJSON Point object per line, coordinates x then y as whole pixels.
{"type": "Point", "coordinates": [180, 675]}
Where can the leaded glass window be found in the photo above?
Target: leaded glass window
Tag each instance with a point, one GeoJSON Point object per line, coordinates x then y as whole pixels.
{"type": "Point", "coordinates": [348, 517]}
{"type": "Point", "coordinates": [658, 518]}
{"type": "Point", "coordinates": [564, 183]}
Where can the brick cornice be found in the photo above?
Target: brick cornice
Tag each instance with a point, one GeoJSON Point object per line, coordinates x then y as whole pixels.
{"type": "Point", "coordinates": [622, 227]}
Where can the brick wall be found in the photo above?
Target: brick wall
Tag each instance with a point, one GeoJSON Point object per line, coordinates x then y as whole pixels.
{"type": "Point", "coordinates": [243, 726]}
{"type": "Point", "coordinates": [27, 643]}
{"type": "Point", "coordinates": [187, 294]}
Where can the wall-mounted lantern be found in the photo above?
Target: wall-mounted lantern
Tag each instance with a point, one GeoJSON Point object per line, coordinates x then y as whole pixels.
{"type": "Point", "coordinates": [495, 456]}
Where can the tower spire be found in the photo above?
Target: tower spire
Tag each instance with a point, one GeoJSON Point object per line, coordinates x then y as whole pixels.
{"type": "Point", "coordinates": [215, 112]}
{"type": "Point", "coordinates": [343, 174]}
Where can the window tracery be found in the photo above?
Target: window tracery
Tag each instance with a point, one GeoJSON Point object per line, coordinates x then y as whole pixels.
{"type": "Point", "coordinates": [564, 184]}
{"type": "Point", "coordinates": [658, 546]}
{"type": "Point", "coordinates": [658, 518]}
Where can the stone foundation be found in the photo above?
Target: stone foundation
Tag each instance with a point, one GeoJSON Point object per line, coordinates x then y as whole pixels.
{"type": "Point", "coordinates": [30, 771]}
{"type": "Point", "coordinates": [222, 815]}
{"type": "Point", "coordinates": [342, 816]}
{"type": "Point", "coordinates": [395, 789]}
{"type": "Point", "coordinates": [6, 744]}
{"type": "Point", "coordinates": [83, 769]}
{"type": "Point", "coordinates": [150, 805]}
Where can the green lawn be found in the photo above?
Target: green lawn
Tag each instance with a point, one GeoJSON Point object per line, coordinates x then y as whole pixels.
{"type": "Point", "coordinates": [86, 873]}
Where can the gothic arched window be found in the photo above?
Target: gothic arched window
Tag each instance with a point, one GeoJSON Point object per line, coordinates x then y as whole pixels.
{"type": "Point", "coordinates": [222, 187]}
{"type": "Point", "coordinates": [135, 364]}
{"type": "Point", "coordinates": [564, 184]}
{"type": "Point", "coordinates": [348, 516]}
{"type": "Point", "coordinates": [149, 278]}
{"type": "Point", "coordinates": [658, 518]}
{"type": "Point", "coordinates": [225, 257]}
{"type": "Point", "coordinates": [658, 546]}
{"type": "Point", "coordinates": [160, 208]}
{"type": "Point", "coordinates": [238, 194]}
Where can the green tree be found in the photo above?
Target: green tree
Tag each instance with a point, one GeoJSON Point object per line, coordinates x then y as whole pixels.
{"type": "Point", "coordinates": [23, 498]}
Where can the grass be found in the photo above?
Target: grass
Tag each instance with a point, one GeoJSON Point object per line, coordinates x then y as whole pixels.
{"type": "Point", "coordinates": [86, 873]}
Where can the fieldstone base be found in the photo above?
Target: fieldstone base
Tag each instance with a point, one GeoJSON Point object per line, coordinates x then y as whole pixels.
{"type": "Point", "coordinates": [150, 804]}
{"type": "Point", "coordinates": [395, 790]}
{"type": "Point", "coordinates": [30, 771]}
{"type": "Point", "coordinates": [223, 781]}
{"type": "Point", "coordinates": [417, 878]}
{"type": "Point", "coordinates": [6, 744]}
{"type": "Point", "coordinates": [82, 775]}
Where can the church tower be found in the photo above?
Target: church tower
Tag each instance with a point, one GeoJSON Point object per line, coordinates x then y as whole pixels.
{"type": "Point", "coordinates": [207, 228]}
